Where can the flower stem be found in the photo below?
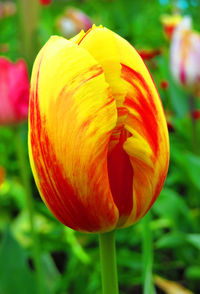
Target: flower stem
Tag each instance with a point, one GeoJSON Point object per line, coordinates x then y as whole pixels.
{"type": "Point", "coordinates": [28, 20]}
{"type": "Point", "coordinates": [147, 248]}
{"type": "Point", "coordinates": [30, 207]}
{"type": "Point", "coordinates": [194, 125]}
{"type": "Point", "coordinates": [108, 263]}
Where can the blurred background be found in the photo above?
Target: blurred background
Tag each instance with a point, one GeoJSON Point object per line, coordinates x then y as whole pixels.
{"type": "Point", "coordinates": [37, 253]}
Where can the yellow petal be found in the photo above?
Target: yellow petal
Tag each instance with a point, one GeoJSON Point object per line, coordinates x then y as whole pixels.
{"type": "Point", "coordinates": [141, 114]}
{"type": "Point", "coordinates": [72, 115]}
{"type": "Point", "coordinates": [145, 122]}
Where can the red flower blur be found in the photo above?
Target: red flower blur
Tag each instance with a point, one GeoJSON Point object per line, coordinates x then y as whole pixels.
{"type": "Point", "coordinates": [164, 84]}
{"type": "Point", "coordinates": [169, 23]}
{"type": "Point", "coordinates": [148, 54]}
{"type": "Point", "coordinates": [14, 91]}
{"type": "Point", "coordinates": [45, 2]}
{"type": "Point", "coordinates": [196, 114]}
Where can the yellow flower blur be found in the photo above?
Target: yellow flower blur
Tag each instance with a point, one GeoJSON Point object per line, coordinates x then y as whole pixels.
{"type": "Point", "coordinates": [98, 139]}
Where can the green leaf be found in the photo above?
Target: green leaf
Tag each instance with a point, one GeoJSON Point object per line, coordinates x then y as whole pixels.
{"type": "Point", "coordinates": [193, 272]}
{"type": "Point", "coordinates": [194, 239]}
{"type": "Point", "coordinates": [15, 274]}
{"type": "Point", "coordinates": [171, 240]}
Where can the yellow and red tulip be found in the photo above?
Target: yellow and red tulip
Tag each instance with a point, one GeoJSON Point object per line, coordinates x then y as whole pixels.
{"type": "Point", "coordinates": [185, 56]}
{"type": "Point", "coordinates": [170, 22]}
{"type": "Point", "coordinates": [98, 139]}
{"type": "Point", "coordinates": [14, 91]}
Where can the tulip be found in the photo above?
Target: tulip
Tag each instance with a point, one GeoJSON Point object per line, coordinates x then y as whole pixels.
{"type": "Point", "coordinates": [72, 22]}
{"type": "Point", "coordinates": [185, 56]}
{"type": "Point", "coordinates": [170, 22]}
{"type": "Point", "coordinates": [98, 139]}
{"type": "Point", "coordinates": [14, 91]}
{"type": "Point", "coordinates": [45, 2]}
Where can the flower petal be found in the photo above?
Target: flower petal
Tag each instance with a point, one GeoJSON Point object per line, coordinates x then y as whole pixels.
{"type": "Point", "coordinates": [148, 142]}
{"type": "Point", "coordinates": [139, 147]}
{"type": "Point", "coordinates": [72, 116]}
{"type": "Point", "coordinates": [120, 170]}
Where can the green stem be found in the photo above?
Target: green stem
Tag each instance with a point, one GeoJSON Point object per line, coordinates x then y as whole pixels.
{"type": "Point", "coordinates": [194, 125]}
{"type": "Point", "coordinates": [28, 19]}
{"type": "Point", "coordinates": [108, 263]}
{"type": "Point", "coordinates": [20, 149]}
{"type": "Point", "coordinates": [147, 248]}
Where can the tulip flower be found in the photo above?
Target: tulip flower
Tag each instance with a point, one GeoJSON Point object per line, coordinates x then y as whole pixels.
{"type": "Point", "coordinates": [72, 22]}
{"type": "Point", "coordinates": [185, 56]}
{"type": "Point", "coordinates": [98, 139]}
{"type": "Point", "coordinates": [14, 91]}
{"type": "Point", "coordinates": [170, 22]}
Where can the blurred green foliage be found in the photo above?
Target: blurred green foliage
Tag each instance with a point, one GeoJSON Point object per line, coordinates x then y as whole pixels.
{"type": "Point", "coordinates": [70, 260]}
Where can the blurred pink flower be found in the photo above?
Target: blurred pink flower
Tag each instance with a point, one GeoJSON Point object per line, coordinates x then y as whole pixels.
{"type": "Point", "coordinates": [185, 56]}
{"type": "Point", "coordinates": [14, 91]}
{"type": "Point", "coordinates": [72, 22]}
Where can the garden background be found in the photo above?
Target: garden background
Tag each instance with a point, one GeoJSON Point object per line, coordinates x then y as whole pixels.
{"type": "Point", "coordinates": [70, 260]}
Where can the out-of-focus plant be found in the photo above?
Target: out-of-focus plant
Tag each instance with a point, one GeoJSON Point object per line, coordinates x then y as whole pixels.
{"type": "Point", "coordinates": [14, 91]}
{"type": "Point", "coordinates": [14, 100]}
{"type": "Point", "coordinates": [164, 84]}
{"type": "Point", "coordinates": [45, 2]}
{"type": "Point", "coordinates": [185, 56]}
{"type": "Point", "coordinates": [169, 23]}
{"type": "Point", "coordinates": [148, 54]}
{"type": "Point", "coordinates": [72, 22]}
{"type": "Point", "coordinates": [2, 175]}
{"type": "Point", "coordinates": [169, 117]}
{"type": "Point", "coordinates": [185, 64]}
{"type": "Point", "coordinates": [7, 8]}
{"type": "Point", "coordinates": [196, 114]}
{"type": "Point", "coordinates": [98, 139]}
